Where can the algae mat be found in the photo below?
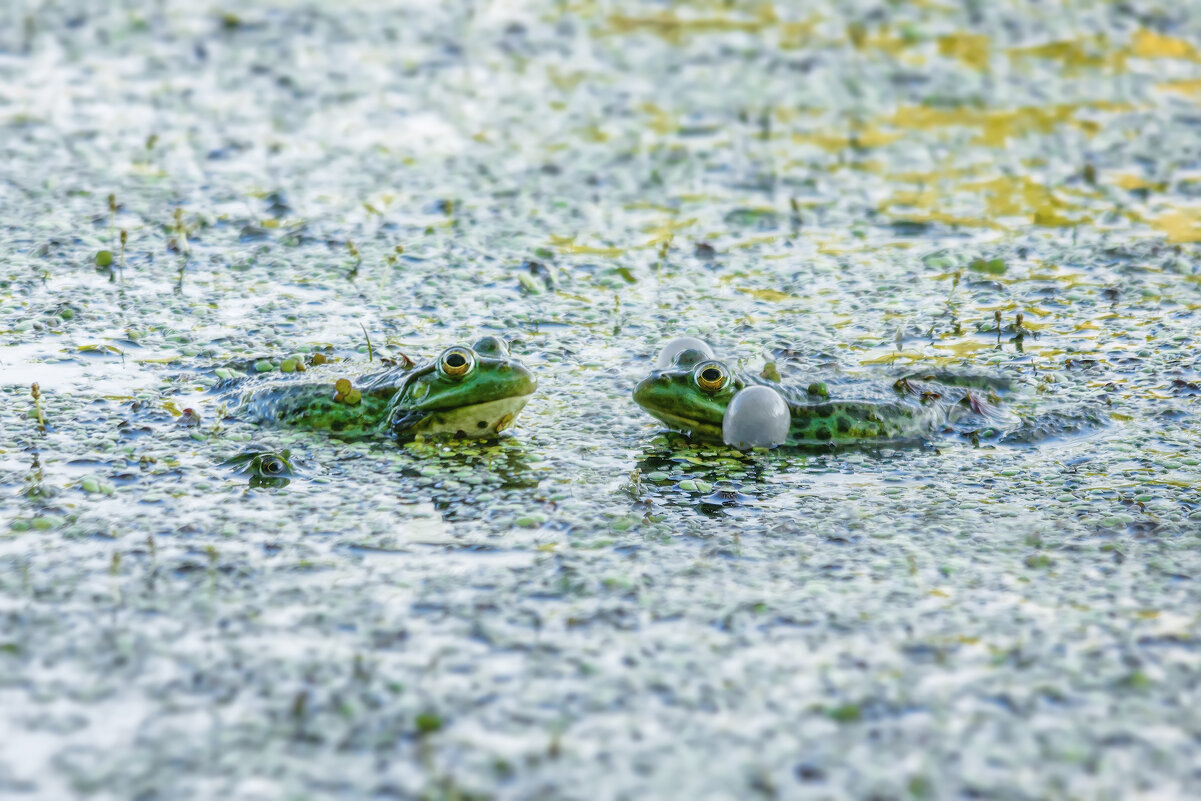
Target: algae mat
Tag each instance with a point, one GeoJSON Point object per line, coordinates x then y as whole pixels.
{"type": "Point", "coordinates": [593, 608]}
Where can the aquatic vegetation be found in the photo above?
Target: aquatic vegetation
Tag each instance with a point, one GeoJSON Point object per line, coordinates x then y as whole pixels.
{"type": "Point", "coordinates": [35, 392]}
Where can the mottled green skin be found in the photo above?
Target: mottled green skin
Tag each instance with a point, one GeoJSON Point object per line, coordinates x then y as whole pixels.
{"type": "Point", "coordinates": [402, 401]}
{"type": "Point", "coordinates": [673, 396]}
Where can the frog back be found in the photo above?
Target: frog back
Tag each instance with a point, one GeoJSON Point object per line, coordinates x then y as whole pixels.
{"type": "Point", "coordinates": [316, 401]}
{"type": "Point", "coordinates": [870, 414]}
{"type": "Point", "coordinates": [856, 421]}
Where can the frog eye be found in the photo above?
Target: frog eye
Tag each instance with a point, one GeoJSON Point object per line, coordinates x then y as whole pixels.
{"type": "Point", "coordinates": [491, 346]}
{"type": "Point", "coordinates": [456, 362]}
{"type": "Point", "coordinates": [711, 376]}
{"type": "Point", "coordinates": [271, 465]}
{"type": "Point", "coordinates": [688, 357]}
{"type": "Point", "coordinates": [671, 352]}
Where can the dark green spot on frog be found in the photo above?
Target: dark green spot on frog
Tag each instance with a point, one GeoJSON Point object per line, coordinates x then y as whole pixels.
{"type": "Point", "coordinates": [467, 392]}
{"type": "Point", "coordinates": [693, 392]}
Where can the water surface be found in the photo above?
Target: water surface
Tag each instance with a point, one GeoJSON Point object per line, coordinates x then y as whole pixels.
{"type": "Point", "coordinates": [852, 193]}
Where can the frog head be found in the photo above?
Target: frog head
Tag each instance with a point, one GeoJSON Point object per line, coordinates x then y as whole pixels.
{"type": "Point", "coordinates": [474, 392]}
{"type": "Point", "coordinates": [689, 395]}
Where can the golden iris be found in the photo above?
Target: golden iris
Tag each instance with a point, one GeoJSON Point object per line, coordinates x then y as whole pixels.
{"type": "Point", "coordinates": [711, 376]}
{"type": "Point", "coordinates": [456, 362]}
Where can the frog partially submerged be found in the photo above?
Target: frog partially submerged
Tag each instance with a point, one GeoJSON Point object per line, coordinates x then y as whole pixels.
{"type": "Point", "coordinates": [262, 467]}
{"type": "Point", "coordinates": [468, 392]}
{"type": "Point", "coordinates": [691, 391]}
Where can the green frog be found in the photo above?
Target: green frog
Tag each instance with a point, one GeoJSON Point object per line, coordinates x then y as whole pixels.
{"type": "Point", "coordinates": [691, 391]}
{"type": "Point", "coordinates": [263, 467]}
{"type": "Point", "coordinates": [469, 392]}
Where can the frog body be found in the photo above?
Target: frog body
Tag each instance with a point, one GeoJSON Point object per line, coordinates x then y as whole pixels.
{"type": "Point", "coordinates": [693, 392]}
{"type": "Point", "coordinates": [469, 392]}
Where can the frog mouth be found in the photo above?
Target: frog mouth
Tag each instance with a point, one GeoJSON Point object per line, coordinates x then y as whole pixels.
{"type": "Point", "coordinates": [690, 425]}
{"type": "Point", "coordinates": [474, 421]}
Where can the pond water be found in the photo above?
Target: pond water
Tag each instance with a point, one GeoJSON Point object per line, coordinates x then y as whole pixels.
{"type": "Point", "coordinates": [851, 192]}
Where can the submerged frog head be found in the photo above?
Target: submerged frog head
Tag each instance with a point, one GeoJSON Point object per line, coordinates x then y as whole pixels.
{"type": "Point", "coordinates": [262, 467]}
{"type": "Point", "coordinates": [690, 395]}
{"type": "Point", "coordinates": [472, 391]}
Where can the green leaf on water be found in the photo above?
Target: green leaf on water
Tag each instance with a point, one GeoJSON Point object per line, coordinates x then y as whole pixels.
{"type": "Point", "coordinates": [529, 283]}
{"type": "Point", "coordinates": [1137, 680]}
{"type": "Point", "coordinates": [990, 267]}
{"type": "Point", "coordinates": [846, 713]}
{"type": "Point", "coordinates": [920, 787]}
{"type": "Point", "coordinates": [428, 722]}
{"type": "Point", "coordinates": [938, 260]}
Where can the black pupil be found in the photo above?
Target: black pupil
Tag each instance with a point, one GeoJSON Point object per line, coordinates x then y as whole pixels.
{"type": "Point", "coordinates": [273, 466]}
{"type": "Point", "coordinates": [711, 375]}
{"type": "Point", "coordinates": [455, 360]}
